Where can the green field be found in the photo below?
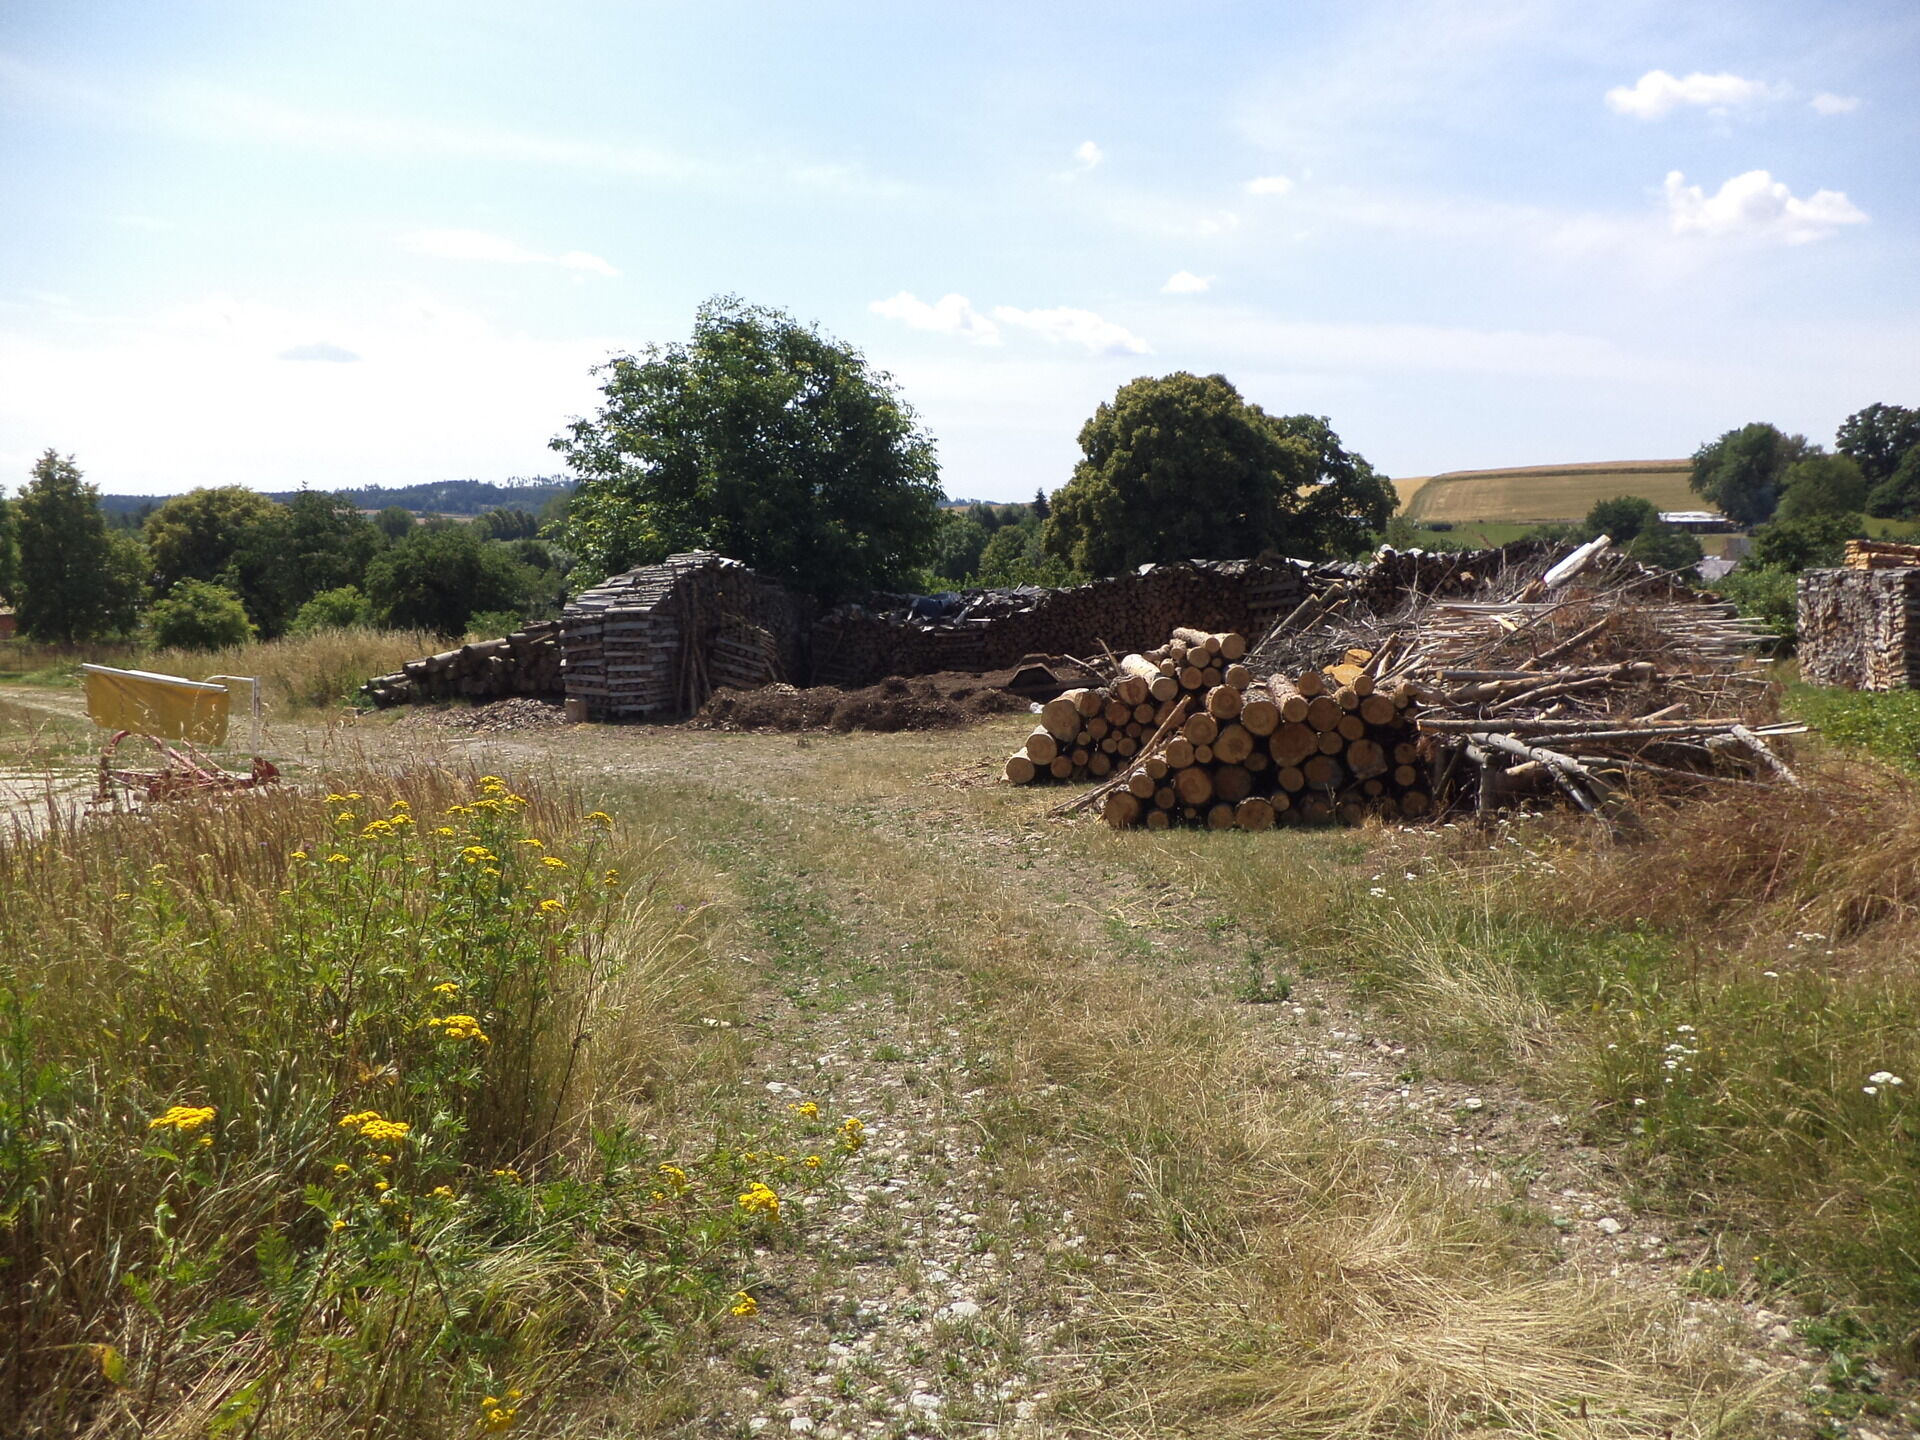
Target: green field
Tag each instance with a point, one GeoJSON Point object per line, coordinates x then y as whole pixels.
{"type": "Point", "coordinates": [1536, 494]}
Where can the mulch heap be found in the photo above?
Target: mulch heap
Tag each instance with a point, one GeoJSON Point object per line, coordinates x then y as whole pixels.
{"type": "Point", "coordinates": [943, 701]}
{"type": "Point", "coordinates": [498, 718]}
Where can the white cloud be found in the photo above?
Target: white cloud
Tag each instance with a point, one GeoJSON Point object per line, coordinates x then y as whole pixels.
{"type": "Point", "coordinates": [322, 350]}
{"type": "Point", "coordinates": [1268, 185]}
{"type": "Point", "coordinates": [1218, 223]}
{"type": "Point", "coordinates": [949, 315]}
{"type": "Point", "coordinates": [1657, 94]}
{"type": "Point", "coordinates": [1064, 325]}
{"type": "Point", "coordinates": [1185, 282]}
{"type": "Point", "coordinates": [1088, 154]}
{"type": "Point", "coordinates": [1758, 206]}
{"type": "Point", "coordinates": [1828, 104]}
{"type": "Point", "coordinates": [496, 250]}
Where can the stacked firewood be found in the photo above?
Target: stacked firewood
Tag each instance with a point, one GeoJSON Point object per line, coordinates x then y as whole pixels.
{"type": "Point", "coordinates": [526, 662]}
{"type": "Point", "coordinates": [1197, 739]}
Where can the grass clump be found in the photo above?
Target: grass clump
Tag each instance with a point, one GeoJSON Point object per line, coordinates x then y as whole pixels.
{"type": "Point", "coordinates": [1885, 724]}
{"type": "Point", "coordinates": [330, 1120]}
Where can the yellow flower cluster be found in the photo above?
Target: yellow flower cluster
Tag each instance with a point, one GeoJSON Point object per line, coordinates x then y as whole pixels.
{"type": "Point", "coordinates": [812, 1162]}
{"type": "Point", "coordinates": [507, 1174]}
{"type": "Point", "coordinates": [479, 855]}
{"type": "Point", "coordinates": [184, 1118]}
{"type": "Point", "coordinates": [497, 1415]}
{"type": "Point", "coordinates": [376, 829]}
{"type": "Point", "coordinates": [443, 1192]}
{"type": "Point", "coordinates": [372, 1127]}
{"type": "Point", "coordinates": [759, 1198]}
{"type": "Point", "coordinates": [853, 1132]}
{"type": "Point", "coordinates": [676, 1175]}
{"type": "Point", "coordinates": [459, 1027]}
{"type": "Point", "coordinates": [338, 859]}
{"type": "Point", "coordinates": [551, 907]}
{"type": "Point", "coordinates": [553, 862]}
{"type": "Point", "coordinates": [600, 817]}
{"type": "Point", "coordinates": [745, 1306]}
{"type": "Point", "coordinates": [447, 987]}
{"type": "Point", "coordinates": [806, 1110]}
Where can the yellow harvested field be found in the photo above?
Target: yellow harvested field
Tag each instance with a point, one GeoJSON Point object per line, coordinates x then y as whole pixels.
{"type": "Point", "coordinates": [1541, 493]}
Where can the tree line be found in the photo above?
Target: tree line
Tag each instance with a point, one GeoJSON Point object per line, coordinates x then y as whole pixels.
{"type": "Point", "coordinates": [219, 566]}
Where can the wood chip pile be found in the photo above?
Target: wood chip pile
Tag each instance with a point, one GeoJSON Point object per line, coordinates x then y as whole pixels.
{"type": "Point", "coordinates": [526, 662]}
{"type": "Point", "coordinates": [1187, 734]}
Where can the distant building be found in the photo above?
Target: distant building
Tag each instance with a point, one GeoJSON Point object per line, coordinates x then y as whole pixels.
{"type": "Point", "coordinates": [1700, 522]}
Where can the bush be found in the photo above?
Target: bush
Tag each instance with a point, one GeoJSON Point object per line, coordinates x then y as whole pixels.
{"type": "Point", "coordinates": [1769, 593]}
{"type": "Point", "coordinates": [340, 609]}
{"type": "Point", "coordinates": [298, 1181]}
{"type": "Point", "coordinates": [199, 616]}
{"type": "Point", "coordinates": [492, 624]}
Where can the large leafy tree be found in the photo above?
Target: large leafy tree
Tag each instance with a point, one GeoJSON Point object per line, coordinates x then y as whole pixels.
{"type": "Point", "coordinates": [77, 581]}
{"type": "Point", "coordinates": [1742, 472]}
{"type": "Point", "coordinates": [1821, 485]}
{"type": "Point", "coordinates": [1183, 467]}
{"type": "Point", "coordinates": [1878, 438]}
{"type": "Point", "coordinates": [440, 576]}
{"type": "Point", "coordinates": [760, 438]}
{"type": "Point", "coordinates": [228, 536]}
{"type": "Point", "coordinates": [328, 545]}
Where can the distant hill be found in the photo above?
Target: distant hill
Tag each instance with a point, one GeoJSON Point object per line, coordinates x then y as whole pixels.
{"type": "Point", "coordinates": [438, 497]}
{"type": "Point", "coordinates": [1535, 494]}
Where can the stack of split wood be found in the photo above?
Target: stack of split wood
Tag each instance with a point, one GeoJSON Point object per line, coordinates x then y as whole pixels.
{"type": "Point", "coordinates": [526, 662]}
{"type": "Point", "coordinates": [1208, 743]}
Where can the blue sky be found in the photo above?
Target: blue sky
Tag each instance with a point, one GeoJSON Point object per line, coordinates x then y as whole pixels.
{"type": "Point", "coordinates": [348, 243]}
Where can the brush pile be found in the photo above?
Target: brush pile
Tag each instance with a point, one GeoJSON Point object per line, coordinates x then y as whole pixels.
{"type": "Point", "coordinates": [1591, 677]}
{"type": "Point", "coordinates": [1187, 734]}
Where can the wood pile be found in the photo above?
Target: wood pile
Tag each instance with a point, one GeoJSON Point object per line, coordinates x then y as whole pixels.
{"type": "Point", "coordinates": [1584, 676]}
{"type": "Point", "coordinates": [1860, 627]}
{"type": "Point", "coordinates": [1187, 734]}
{"type": "Point", "coordinates": [1880, 555]}
{"type": "Point", "coordinates": [527, 662]}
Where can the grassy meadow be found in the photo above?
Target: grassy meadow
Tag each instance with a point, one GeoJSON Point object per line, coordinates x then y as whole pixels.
{"type": "Point", "coordinates": [1536, 494]}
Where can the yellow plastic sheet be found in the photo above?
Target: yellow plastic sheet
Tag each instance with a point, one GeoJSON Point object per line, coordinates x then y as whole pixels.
{"type": "Point", "coordinates": [165, 707]}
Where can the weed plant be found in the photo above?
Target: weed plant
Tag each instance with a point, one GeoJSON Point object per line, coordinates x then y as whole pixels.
{"type": "Point", "coordinates": [323, 1117]}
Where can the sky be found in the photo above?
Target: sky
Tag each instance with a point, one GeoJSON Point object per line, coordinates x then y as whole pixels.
{"type": "Point", "coordinates": [345, 243]}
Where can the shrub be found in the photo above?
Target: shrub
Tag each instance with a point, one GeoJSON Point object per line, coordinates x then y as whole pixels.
{"type": "Point", "coordinates": [339, 609]}
{"type": "Point", "coordinates": [492, 624]}
{"type": "Point", "coordinates": [197, 615]}
{"type": "Point", "coordinates": [1769, 593]}
{"type": "Point", "coordinates": [358, 1158]}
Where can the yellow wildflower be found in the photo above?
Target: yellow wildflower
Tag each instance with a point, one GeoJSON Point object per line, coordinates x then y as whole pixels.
{"type": "Point", "coordinates": [353, 794]}
{"type": "Point", "coordinates": [375, 829]}
{"type": "Point", "coordinates": [336, 858]}
{"type": "Point", "coordinates": [205, 1142]}
{"type": "Point", "coordinates": [492, 782]}
{"type": "Point", "coordinates": [806, 1110]}
{"type": "Point", "coordinates": [447, 987]}
{"type": "Point", "coordinates": [759, 1198]}
{"type": "Point", "coordinates": [507, 1173]}
{"type": "Point", "coordinates": [339, 1225]}
{"type": "Point", "coordinates": [345, 817]}
{"type": "Point", "coordinates": [612, 877]}
{"type": "Point", "coordinates": [459, 810]}
{"type": "Point", "coordinates": [399, 805]}
{"type": "Point", "coordinates": [382, 1186]}
{"type": "Point", "coordinates": [400, 820]}
{"type": "Point", "coordinates": [336, 799]}
{"type": "Point", "coordinates": [676, 1175]}
{"type": "Point", "coordinates": [551, 907]}
{"type": "Point", "coordinates": [853, 1132]}
{"type": "Point", "coordinates": [812, 1162]}
{"type": "Point", "coordinates": [372, 1127]}
{"type": "Point", "coordinates": [745, 1306]}
{"type": "Point", "coordinates": [492, 872]}
{"type": "Point", "coordinates": [445, 832]}
{"type": "Point", "coordinates": [184, 1118]}
{"type": "Point", "coordinates": [297, 855]}
{"type": "Point", "coordinates": [536, 844]}
{"type": "Point", "coordinates": [343, 1169]}
{"type": "Point", "coordinates": [479, 855]}
{"type": "Point", "coordinates": [496, 1418]}
{"type": "Point", "coordinates": [443, 1192]}
{"type": "Point", "coordinates": [553, 862]}
{"type": "Point", "coordinates": [599, 817]}
{"type": "Point", "coordinates": [459, 1027]}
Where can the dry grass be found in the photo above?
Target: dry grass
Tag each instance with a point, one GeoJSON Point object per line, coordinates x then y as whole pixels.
{"type": "Point", "coordinates": [1548, 492]}
{"type": "Point", "coordinates": [1281, 1270]}
{"type": "Point", "coordinates": [309, 672]}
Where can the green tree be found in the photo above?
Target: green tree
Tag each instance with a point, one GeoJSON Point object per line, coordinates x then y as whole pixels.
{"type": "Point", "coordinates": [328, 544]}
{"type": "Point", "coordinates": [441, 575]}
{"type": "Point", "coordinates": [957, 546]}
{"type": "Point", "coordinates": [9, 554]}
{"type": "Point", "coordinates": [507, 523]}
{"type": "Point", "coordinates": [195, 615]}
{"type": "Point", "coordinates": [1878, 438]}
{"type": "Point", "coordinates": [226, 535]}
{"type": "Point", "coordinates": [1016, 556]}
{"type": "Point", "coordinates": [1813, 542]}
{"type": "Point", "coordinates": [340, 609]}
{"type": "Point", "coordinates": [395, 522]}
{"type": "Point", "coordinates": [1822, 485]}
{"type": "Point", "coordinates": [1898, 496]}
{"type": "Point", "coordinates": [1623, 517]}
{"type": "Point", "coordinates": [1182, 467]}
{"type": "Point", "coordinates": [1666, 547]}
{"type": "Point", "coordinates": [74, 581]}
{"type": "Point", "coordinates": [760, 438]}
{"type": "Point", "coordinates": [1769, 593]}
{"type": "Point", "coordinates": [1742, 471]}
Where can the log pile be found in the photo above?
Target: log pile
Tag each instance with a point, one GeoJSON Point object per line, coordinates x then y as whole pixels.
{"type": "Point", "coordinates": [1860, 627]}
{"type": "Point", "coordinates": [1191, 736]}
{"type": "Point", "coordinates": [1880, 555]}
{"type": "Point", "coordinates": [527, 662]}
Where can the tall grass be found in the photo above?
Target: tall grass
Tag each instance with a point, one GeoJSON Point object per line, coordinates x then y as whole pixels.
{"type": "Point", "coordinates": [320, 1117]}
